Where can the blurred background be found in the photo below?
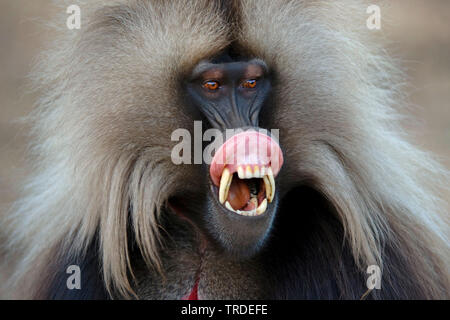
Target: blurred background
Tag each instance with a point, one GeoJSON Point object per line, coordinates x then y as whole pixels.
{"type": "Point", "coordinates": [419, 32]}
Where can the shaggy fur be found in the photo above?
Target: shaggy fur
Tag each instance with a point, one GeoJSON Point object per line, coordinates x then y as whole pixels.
{"type": "Point", "coordinates": [354, 191]}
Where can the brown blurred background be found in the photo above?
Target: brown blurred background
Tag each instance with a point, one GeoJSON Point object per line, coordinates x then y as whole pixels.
{"type": "Point", "coordinates": [418, 29]}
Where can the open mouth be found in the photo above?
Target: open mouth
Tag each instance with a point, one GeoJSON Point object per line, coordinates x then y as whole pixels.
{"type": "Point", "coordinates": [247, 191]}
{"type": "Point", "coordinates": [245, 176]}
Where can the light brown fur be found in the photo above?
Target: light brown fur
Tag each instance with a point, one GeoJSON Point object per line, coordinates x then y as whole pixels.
{"type": "Point", "coordinates": [111, 90]}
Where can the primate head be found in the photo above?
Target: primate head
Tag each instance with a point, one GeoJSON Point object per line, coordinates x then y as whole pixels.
{"type": "Point", "coordinates": [242, 197]}
{"type": "Point", "coordinates": [299, 214]}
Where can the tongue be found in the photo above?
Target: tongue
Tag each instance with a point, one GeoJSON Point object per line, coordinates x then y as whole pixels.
{"type": "Point", "coordinates": [239, 194]}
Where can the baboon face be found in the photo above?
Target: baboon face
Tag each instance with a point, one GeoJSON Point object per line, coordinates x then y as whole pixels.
{"type": "Point", "coordinates": [302, 216]}
{"type": "Point", "coordinates": [241, 200]}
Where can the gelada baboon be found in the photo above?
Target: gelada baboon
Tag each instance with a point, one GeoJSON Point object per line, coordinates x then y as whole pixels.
{"type": "Point", "coordinates": [341, 192]}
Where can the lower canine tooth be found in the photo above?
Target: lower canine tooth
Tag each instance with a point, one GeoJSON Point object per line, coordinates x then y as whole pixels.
{"type": "Point", "coordinates": [225, 182]}
{"type": "Point", "coordinates": [262, 207]}
{"type": "Point", "coordinates": [229, 207]}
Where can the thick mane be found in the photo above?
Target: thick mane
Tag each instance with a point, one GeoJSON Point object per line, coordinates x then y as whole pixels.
{"type": "Point", "coordinates": [98, 177]}
{"type": "Point", "coordinates": [87, 175]}
{"type": "Point", "coordinates": [385, 190]}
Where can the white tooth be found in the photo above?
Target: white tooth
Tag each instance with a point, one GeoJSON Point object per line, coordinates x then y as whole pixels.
{"type": "Point", "coordinates": [272, 184]}
{"type": "Point", "coordinates": [256, 172]}
{"type": "Point", "coordinates": [262, 207]}
{"type": "Point", "coordinates": [251, 213]}
{"type": "Point", "coordinates": [255, 212]}
{"type": "Point", "coordinates": [263, 171]}
{"type": "Point", "coordinates": [225, 182]}
{"type": "Point", "coordinates": [241, 173]}
{"type": "Point", "coordinates": [268, 187]}
{"type": "Point", "coordinates": [248, 172]}
{"type": "Point", "coordinates": [229, 207]}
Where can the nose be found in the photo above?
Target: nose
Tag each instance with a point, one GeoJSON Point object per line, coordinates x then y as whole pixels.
{"type": "Point", "coordinates": [238, 116]}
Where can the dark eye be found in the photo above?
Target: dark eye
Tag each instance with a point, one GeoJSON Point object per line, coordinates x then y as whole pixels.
{"type": "Point", "coordinates": [211, 85]}
{"type": "Point", "coordinates": [249, 84]}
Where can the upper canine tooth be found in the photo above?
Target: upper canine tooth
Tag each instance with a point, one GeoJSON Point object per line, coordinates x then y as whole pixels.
{"type": "Point", "coordinates": [225, 182]}
{"type": "Point", "coordinates": [248, 172]}
{"type": "Point", "coordinates": [268, 187]}
{"type": "Point", "coordinates": [272, 184]}
{"type": "Point", "coordinates": [240, 172]}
